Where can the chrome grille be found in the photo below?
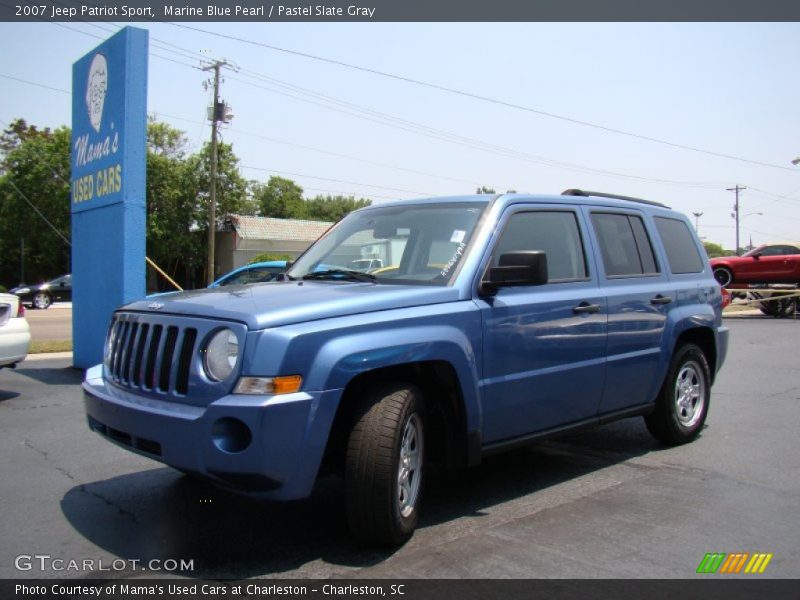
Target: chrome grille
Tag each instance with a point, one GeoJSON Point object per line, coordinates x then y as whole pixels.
{"type": "Point", "coordinates": [150, 357]}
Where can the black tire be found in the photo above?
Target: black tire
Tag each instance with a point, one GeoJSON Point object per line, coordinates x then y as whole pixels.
{"type": "Point", "coordinates": [780, 307]}
{"type": "Point", "coordinates": [377, 453]}
{"type": "Point", "coordinates": [682, 404]}
{"type": "Point", "coordinates": [724, 276]}
{"type": "Point", "coordinates": [42, 300]}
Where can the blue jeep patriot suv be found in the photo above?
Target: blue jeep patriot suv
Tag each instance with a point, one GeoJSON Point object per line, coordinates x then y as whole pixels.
{"type": "Point", "coordinates": [492, 321]}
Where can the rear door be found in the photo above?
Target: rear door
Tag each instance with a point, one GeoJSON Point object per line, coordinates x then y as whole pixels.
{"type": "Point", "coordinates": [639, 297]}
{"type": "Point", "coordinates": [544, 346]}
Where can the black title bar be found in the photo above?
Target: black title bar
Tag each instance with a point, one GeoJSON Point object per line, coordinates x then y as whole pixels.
{"type": "Point", "coordinates": [400, 10]}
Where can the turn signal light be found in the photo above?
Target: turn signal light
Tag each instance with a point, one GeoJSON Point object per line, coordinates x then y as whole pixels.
{"type": "Point", "coordinates": [269, 385]}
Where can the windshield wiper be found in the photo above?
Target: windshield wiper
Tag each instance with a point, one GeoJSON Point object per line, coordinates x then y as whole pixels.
{"type": "Point", "coordinates": [341, 274]}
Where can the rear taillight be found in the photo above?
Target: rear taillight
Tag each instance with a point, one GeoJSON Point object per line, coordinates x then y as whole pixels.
{"type": "Point", "coordinates": [21, 310]}
{"type": "Point", "coordinates": [726, 298]}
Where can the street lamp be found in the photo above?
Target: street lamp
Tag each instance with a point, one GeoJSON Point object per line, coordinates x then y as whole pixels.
{"type": "Point", "coordinates": [697, 216]}
{"type": "Point", "coordinates": [760, 214]}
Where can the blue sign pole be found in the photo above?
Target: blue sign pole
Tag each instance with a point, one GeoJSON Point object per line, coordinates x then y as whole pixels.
{"type": "Point", "coordinates": [109, 153]}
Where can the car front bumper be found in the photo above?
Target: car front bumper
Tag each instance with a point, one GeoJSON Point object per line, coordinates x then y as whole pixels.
{"type": "Point", "coordinates": [270, 446]}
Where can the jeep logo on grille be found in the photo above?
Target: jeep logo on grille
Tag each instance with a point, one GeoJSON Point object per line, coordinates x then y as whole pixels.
{"type": "Point", "coordinates": [156, 305]}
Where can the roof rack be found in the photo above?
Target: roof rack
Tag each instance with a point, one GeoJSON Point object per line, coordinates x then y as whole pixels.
{"type": "Point", "coordinates": [575, 192]}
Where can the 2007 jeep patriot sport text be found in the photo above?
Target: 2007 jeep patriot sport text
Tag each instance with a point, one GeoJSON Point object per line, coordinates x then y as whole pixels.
{"type": "Point", "coordinates": [493, 321]}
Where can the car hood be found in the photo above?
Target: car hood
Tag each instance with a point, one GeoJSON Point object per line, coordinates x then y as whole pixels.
{"type": "Point", "coordinates": [282, 303]}
{"type": "Point", "coordinates": [730, 260]}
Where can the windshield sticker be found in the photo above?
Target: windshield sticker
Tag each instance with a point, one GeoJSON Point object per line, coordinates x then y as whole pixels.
{"type": "Point", "coordinates": [458, 236]}
{"type": "Point", "coordinates": [456, 255]}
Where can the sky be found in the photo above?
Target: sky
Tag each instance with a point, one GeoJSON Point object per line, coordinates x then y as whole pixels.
{"type": "Point", "coordinates": [670, 112]}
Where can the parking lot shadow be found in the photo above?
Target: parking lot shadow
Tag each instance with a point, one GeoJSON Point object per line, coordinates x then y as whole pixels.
{"type": "Point", "coordinates": [160, 514]}
{"type": "Point", "coordinates": [6, 395]}
{"type": "Point", "coordinates": [52, 376]}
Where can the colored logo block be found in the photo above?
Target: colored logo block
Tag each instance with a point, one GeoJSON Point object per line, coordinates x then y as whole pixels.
{"type": "Point", "coordinates": [735, 563]}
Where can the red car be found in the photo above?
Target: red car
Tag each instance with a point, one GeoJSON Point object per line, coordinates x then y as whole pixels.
{"type": "Point", "coordinates": [769, 263]}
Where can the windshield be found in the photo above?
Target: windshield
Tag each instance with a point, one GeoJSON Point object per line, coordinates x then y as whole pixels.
{"type": "Point", "coordinates": [413, 244]}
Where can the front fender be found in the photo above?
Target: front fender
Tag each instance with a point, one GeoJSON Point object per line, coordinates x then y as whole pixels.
{"type": "Point", "coordinates": [342, 359]}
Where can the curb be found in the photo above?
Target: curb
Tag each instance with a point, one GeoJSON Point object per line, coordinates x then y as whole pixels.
{"type": "Point", "coordinates": [46, 355]}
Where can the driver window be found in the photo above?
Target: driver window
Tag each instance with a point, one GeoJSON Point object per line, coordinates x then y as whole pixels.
{"type": "Point", "coordinates": [556, 233]}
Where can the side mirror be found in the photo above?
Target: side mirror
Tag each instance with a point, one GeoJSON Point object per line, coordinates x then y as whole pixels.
{"type": "Point", "coordinates": [516, 269]}
{"type": "Point", "coordinates": [756, 256]}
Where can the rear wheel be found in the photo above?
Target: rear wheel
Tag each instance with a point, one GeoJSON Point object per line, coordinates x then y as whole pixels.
{"type": "Point", "coordinates": [682, 405]}
{"type": "Point", "coordinates": [724, 276]}
{"type": "Point", "coordinates": [779, 307]}
{"type": "Point", "coordinates": [384, 465]}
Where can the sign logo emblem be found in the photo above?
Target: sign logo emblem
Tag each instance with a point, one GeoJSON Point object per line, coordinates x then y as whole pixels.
{"type": "Point", "coordinates": [734, 563]}
{"type": "Point", "coordinates": [155, 305]}
{"type": "Point", "coordinates": [96, 87]}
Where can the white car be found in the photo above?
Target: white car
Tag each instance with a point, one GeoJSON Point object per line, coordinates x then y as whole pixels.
{"type": "Point", "coordinates": [15, 335]}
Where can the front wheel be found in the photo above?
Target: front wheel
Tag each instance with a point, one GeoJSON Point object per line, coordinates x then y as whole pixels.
{"type": "Point", "coordinates": [682, 405]}
{"type": "Point", "coordinates": [384, 465]}
{"type": "Point", "coordinates": [42, 300]}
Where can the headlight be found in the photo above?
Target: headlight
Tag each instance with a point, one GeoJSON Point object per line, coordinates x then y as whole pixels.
{"type": "Point", "coordinates": [221, 355]}
{"type": "Point", "coordinates": [23, 291]}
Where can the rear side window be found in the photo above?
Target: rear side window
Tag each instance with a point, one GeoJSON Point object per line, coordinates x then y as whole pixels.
{"type": "Point", "coordinates": [679, 243]}
{"type": "Point", "coordinates": [624, 244]}
{"type": "Point", "coordinates": [556, 233]}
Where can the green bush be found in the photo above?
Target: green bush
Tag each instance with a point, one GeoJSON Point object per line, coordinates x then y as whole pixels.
{"type": "Point", "coordinates": [3, 289]}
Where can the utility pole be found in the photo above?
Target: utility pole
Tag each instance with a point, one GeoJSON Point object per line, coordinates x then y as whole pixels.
{"type": "Point", "coordinates": [735, 213]}
{"type": "Point", "coordinates": [216, 114]}
{"type": "Point", "coordinates": [697, 216]}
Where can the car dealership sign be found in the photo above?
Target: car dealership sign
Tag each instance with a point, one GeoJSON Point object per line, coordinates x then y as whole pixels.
{"type": "Point", "coordinates": [109, 134]}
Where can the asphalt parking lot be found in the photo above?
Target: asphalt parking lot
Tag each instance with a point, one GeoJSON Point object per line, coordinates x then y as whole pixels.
{"type": "Point", "coordinates": [608, 503]}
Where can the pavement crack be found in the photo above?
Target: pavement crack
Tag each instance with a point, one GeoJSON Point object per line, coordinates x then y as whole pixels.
{"type": "Point", "coordinates": [82, 487]}
{"type": "Point", "coordinates": [108, 502]}
{"type": "Point", "coordinates": [46, 455]}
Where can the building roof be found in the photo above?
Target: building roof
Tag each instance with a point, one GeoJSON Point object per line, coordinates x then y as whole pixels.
{"type": "Point", "coordinates": [268, 228]}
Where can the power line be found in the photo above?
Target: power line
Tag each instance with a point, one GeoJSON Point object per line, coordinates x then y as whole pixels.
{"type": "Point", "coordinates": [782, 197]}
{"type": "Point", "coordinates": [453, 138]}
{"type": "Point", "coordinates": [38, 212]}
{"type": "Point", "coordinates": [448, 136]}
{"type": "Point", "coordinates": [389, 120]}
{"type": "Point", "coordinates": [41, 85]}
{"type": "Point", "coordinates": [482, 98]}
{"type": "Point", "coordinates": [383, 187]}
{"type": "Point", "coordinates": [336, 154]}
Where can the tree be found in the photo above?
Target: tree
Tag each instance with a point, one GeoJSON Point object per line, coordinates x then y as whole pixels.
{"type": "Point", "coordinates": [485, 190]}
{"type": "Point", "coordinates": [173, 210]}
{"type": "Point", "coordinates": [34, 186]}
{"type": "Point", "coordinates": [715, 250]}
{"type": "Point", "coordinates": [280, 198]}
{"type": "Point", "coordinates": [333, 208]}
{"type": "Point", "coordinates": [164, 140]}
{"type": "Point", "coordinates": [232, 194]}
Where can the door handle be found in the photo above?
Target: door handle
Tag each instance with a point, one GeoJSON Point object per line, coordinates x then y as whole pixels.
{"type": "Point", "coordinates": [585, 307]}
{"type": "Point", "coordinates": [660, 300]}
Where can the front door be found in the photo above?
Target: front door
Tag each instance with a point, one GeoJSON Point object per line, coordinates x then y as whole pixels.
{"type": "Point", "coordinates": [544, 346]}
